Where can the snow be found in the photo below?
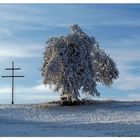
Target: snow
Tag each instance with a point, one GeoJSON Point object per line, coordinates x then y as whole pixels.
{"type": "Point", "coordinates": [107, 119]}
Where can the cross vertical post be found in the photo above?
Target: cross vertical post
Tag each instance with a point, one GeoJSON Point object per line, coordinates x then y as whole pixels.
{"type": "Point", "coordinates": [13, 80]}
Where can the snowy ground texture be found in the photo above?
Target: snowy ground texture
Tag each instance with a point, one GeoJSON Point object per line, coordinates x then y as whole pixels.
{"type": "Point", "coordinates": [107, 119]}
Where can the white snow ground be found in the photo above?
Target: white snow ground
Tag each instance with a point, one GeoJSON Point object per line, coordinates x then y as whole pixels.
{"type": "Point", "coordinates": [112, 119]}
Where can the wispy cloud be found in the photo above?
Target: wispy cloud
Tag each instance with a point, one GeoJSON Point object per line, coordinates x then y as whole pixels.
{"type": "Point", "coordinates": [131, 23]}
{"type": "Point", "coordinates": [37, 89]}
{"type": "Point", "coordinates": [130, 82]}
{"type": "Point", "coordinates": [5, 90]}
{"type": "Point", "coordinates": [34, 94]}
{"type": "Point", "coordinates": [44, 16]}
{"type": "Point", "coordinates": [18, 12]}
{"type": "Point", "coordinates": [5, 32]}
{"type": "Point", "coordinates": [133, 96]}
{"type": "Point", "coordinates": [125, 51]}
{"type": "Point", "coordinates": [20, 50]}
{"type": "Point", "coordinates": [124, 54]}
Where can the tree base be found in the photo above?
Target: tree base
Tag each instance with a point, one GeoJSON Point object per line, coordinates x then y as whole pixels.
{"type": "Point", "coordinates": [68, 103]}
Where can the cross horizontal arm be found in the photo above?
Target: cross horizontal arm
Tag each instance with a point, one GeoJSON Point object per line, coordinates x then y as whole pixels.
{"type": "Point", "coordinates": [11, 76]}
{"type": "Point", "coordinates": [19, 76]}
{"type": "Point", "coordinates": [12, 68]}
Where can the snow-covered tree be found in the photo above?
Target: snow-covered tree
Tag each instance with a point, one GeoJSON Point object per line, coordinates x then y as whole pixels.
{"type": "Point", "coordinates": [75, 62]}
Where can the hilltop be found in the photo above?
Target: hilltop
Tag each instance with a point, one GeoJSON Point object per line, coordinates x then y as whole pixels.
{"type": "Point", "coordinates": [49, 119]}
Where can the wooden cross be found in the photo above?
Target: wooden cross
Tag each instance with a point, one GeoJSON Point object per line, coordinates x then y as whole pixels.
{"type": "Point", "coordinates": [12, 76]}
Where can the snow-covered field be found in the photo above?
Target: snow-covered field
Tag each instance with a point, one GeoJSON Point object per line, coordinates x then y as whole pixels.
{"type": "Point", "coordinates": [112, 119]}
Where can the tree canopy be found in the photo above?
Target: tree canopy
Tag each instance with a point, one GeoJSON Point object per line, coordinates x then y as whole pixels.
{"type": "Point", "coordinates": [76, 61]}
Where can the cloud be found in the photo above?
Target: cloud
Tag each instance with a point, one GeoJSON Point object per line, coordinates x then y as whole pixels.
{"type": "Point", "coordinates": [5, 90]}
{"type": "Point", "coordinates": [125, 53]}
{"type": "Point", "coordinates": [134, 23]}
{"type": "Point", "coordinates": [43, 15]}
{"type": "Point", "coordinates": [5, 32]}
{"type": "Point", "coordinates": [19, 13]}
{"type": "Point", "coordinates": [133, 96]}
{"type": "Point", "coordinates": [20, 51]}
{"type": "Point", "coordinates": [125, 49]}
{"type": "Point", "coordinates": [37, 89]}
{"type": "Point", "coordinates": [128, 83]}
{"type": "Point", "coordinates": [34, 94]}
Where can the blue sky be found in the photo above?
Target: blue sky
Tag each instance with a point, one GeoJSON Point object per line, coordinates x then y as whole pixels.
{"type": "Point", "coordinates": [24, 29]}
